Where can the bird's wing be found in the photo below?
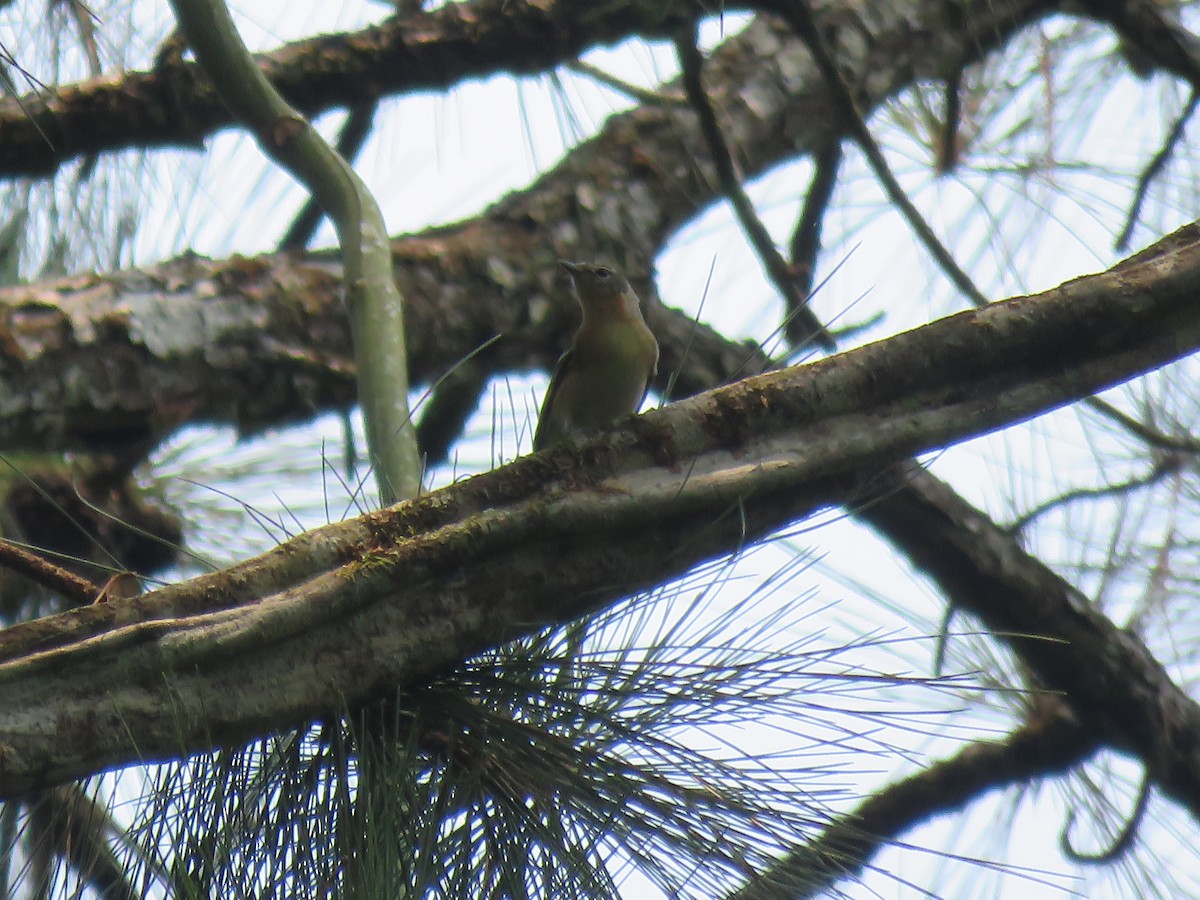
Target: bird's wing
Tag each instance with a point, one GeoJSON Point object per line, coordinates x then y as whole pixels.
{"type": "Point", "coordinates": [543, 433]}
{"type": "Point", "coordinates": [650, 376]}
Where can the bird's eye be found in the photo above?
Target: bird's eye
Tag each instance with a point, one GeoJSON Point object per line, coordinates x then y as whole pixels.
{"type": "Point", "coordinates": [603, 272]}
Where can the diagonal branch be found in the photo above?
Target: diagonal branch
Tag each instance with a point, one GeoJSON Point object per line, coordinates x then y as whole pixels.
{"type": "Point", "coordinates": [352, 610]}
{"type": "Point", "coordinates": [801, 18]}
{"type": "Point", "coordinates": [73, 588]}
{"type": "Point", "coordinates": [375, 305]}
{"type": "Point", "coordinates": [805, 245]}
{"type": "Point", "coordinates": [977, 563]}
{"type": "Point", "coordinates": [803, 319]}
{"type": "Point", "coordinates": [1155, 167]}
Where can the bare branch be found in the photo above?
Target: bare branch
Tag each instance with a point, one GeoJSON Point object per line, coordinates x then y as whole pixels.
{"type": "Point", "coordinates": [1022, 603]}
{"type": "Point", "coordinates": [948, 150]}
{"type": "Point", "coordinates": [801, 18]}
{"type": "Point", "coordinates": [1168, 465]}
{"type": "Point", "coordinates": [802, 320]}
{"type": "Point", "coordinates": [805, 245]}
{"type": "Point", "coordinates": [1124, 840]}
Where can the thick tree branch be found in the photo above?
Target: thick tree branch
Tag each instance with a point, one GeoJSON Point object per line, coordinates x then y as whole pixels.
{"type": "Point", "coordinates": [1120, 686]}
{"type": "Point", "coordinates": [412, 51]}
{"type": "Point", "coordinates": [647, 186]}
{"type": "Point", "coordinates": [355, 609]}
{"type": "Point", "coordinates": [1154, 30]}
{"type": "Point", "coordinates": [910, 508]}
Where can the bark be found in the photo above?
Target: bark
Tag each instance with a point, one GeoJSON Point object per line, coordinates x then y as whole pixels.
{"type": "Point", "coordinates": [172, 105]}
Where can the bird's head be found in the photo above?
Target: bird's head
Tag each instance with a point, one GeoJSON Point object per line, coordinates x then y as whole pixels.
{"type": "Point", "coordinates": [600, 286]}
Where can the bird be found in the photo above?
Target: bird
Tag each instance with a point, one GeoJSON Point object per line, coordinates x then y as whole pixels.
{"type": "Point", "coordinates": [606, 372]}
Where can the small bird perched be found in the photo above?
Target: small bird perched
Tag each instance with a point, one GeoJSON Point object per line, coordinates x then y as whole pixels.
{"type": "Point", "coordinates": [606, 372]}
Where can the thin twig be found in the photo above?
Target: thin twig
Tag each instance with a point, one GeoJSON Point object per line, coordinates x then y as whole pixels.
{"type": "Point", "coordinates": [776, 266]}
{"type": "Point", "coordinates": [854, 329]}
{"type": "Point", "coordinates": [800, 18]}
{"type": "Point", "coordinates": [1167, 466]}
{"type": "Point", "coordinates": [1152, 436]}
{"type": "Point", "coordinates": [630, 90]}
{"type": "Point", "coordinates": [1155, 166]}
{"type": "Point", "coordinates": [1124, 840]}
{"type": "Point", "coordinates": [805, 245]}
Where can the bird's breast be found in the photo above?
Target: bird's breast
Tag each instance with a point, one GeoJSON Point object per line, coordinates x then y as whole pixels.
{"type": "Point", "coordinates": [618, 364]}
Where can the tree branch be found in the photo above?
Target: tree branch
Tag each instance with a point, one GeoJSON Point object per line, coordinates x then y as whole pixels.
{"type": "Point", "coordinates": [352, 610]}
{"type": "Point", "coordinates": [803, 322]}
{"type": "Point", "coordinates": [1118, 687]}
{"type": "Point", "coordinates": [411, 51]}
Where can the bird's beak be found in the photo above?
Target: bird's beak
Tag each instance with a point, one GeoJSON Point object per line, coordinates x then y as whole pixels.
{"type": "Point", "coordinates": [573, 268]}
